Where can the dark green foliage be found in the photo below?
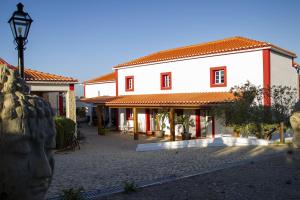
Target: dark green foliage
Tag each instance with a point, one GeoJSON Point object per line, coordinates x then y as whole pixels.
{"type": "Point", "coordinates": [72, 194]}
{"type": "Point", "coordinates": [161, 117]}
{"type": "Point", "coordinates": [185, 121]}
{"type": "Point", "coordinates": [65, 130]}
{"type": "Point", "coordinates": [129, 187]}
{"type": "Point", "coordinates": [248, 115]}
{"type": "Point", "coordinates": [283, 101]}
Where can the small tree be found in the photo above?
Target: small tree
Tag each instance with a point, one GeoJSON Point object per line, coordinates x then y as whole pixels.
{"type": "Point", "coordinates": [248, 113]}
{"type": "Point", "coordinates": [161, 117]}
{"type": "Point", "coordinates": [283, 101]}
{"type": "Point", "coordinates": [185, 121]}
{"type": "Point", "coordinates": [239, 113]}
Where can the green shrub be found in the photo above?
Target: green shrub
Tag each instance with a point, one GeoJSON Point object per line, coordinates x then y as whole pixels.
{"type": "Point", "coordinates": [72, 194]}
{"type": "Point", "coordinates": [65, 129]}
{"type": "Point", "coordinates": [129, 187]}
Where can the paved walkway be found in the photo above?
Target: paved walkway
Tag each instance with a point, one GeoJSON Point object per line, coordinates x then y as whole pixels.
{"type": "Point", "coordinates": [105, 162]}
{"type": "Point", "coordinates": [274, 178]}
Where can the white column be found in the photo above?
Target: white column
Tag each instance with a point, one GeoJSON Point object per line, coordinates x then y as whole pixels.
{"type": "Point", "coordinates": [71, 104]}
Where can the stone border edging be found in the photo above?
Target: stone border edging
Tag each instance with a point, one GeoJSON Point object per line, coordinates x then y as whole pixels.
{"type": "Point", "coordinates": [201, 143]}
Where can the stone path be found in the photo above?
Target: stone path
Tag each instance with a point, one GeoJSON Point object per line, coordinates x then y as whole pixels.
{"type": "Point", "coordinates": [105, 162]}
{"type": "Point", "coordinates": [273, 178]}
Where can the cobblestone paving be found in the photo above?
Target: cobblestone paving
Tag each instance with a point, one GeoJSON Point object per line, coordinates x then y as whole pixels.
{"type": "Point", "coordinates": [105, 162]}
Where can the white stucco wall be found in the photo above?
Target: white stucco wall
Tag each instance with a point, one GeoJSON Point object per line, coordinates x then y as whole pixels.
{"type": "Point", "coordinates": [141, 120]}
{"type": "Point", "coordinates": [219, 126]}
{"type": "Point", "coordinates": [282, 71]}
{"type": "Point", "coordinates": [105, 89]}
{"type": "Point", "coordinates": [193, 75]}
{"type": "Point", "coordinates": [122, 115]}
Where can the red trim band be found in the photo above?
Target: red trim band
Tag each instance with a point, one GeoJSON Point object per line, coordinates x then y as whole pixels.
{"type": "Point", "coordinates": [266, 76]}
{"type": "Point", "coordinates": [60, 103]}
{"type": "Point", "coordinates": [147, 120]}
{"type": "Point", "coordinates": [71, 87]}
{"type": "Point", "coordinates": [117, 82]}
{"type": "Point", "coordinates": [198, 124]}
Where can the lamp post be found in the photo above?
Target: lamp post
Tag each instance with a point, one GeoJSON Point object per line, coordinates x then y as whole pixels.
{"type": "Point", "coordinates": [20, 22]}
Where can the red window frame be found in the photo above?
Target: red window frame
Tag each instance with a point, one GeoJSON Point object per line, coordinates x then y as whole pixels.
{"type": "Point", "coordinates": [212, 77]}
{"type": "Point", "coordinates": [127, 78]}
{"type": "Point", "coordinates": [162, 81]}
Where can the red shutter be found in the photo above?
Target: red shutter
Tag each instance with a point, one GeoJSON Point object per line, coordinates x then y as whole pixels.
{"type": "Point", "coordinates": [198, 124]}
{"type": "Point", "coordinates": [147, 120]}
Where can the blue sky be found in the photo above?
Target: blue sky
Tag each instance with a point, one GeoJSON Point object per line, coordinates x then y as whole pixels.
{"type": "Point", "coordinates": [86, 38]}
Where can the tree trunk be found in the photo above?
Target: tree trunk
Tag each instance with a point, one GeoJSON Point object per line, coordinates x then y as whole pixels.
{"type": "Point", "coordinates": [281, 132]}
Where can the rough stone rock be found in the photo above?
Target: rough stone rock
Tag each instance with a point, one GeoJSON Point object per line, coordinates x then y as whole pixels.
{"type": "Point", "coordinates": [26, 138]}
{"type": "Point", "coordinates": [295, 123]}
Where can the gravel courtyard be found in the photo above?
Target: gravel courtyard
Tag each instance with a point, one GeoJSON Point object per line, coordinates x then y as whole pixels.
{"type": "Point", "coordinates": [104, 163]}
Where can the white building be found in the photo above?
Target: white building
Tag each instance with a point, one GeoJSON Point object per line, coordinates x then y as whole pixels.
{"type": "Point", "coordinates": [101, 86]}
{"type": "Point", "coordinates": [191, 80]}
{"type": "Point", "coordinates": [58, 90]}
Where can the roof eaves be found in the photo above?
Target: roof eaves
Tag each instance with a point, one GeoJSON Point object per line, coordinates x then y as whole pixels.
{"type": "Point", "coordinates": [283, 51]}
{"type": "Point", "coordinates": [194, 56]}
{"type": "Point", "coordinates": [100, 82]}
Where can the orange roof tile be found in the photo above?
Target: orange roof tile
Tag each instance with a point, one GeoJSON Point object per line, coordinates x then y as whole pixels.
{"type": "Point", "coordinates": [99, 99]}
{"type": "Point", "coordinates": [104, 78]}
{"type": "Point", "coordinates": [220, 46]}
{"type": "Point", "coordinates": [33, 75]}
{"type": "Point", "coordinates": [296, 64]}
{"type": "Point", "coordinates": [177, 99]}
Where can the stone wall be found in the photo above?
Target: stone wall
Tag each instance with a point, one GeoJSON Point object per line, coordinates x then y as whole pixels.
{"type": "Point", "coordinates": [71, 105]}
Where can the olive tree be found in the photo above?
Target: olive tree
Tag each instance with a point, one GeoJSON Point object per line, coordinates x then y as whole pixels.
{"type": "Point", "coordinates": [248, 115]}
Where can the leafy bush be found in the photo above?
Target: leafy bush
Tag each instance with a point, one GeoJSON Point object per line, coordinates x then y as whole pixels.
{"type": "Point", "coordinates": [65, 129]}
{"type": "Point", "coordinates": [161, 117]}
{"type": "Point", "coordinates": [72, 194]}
{"type": "Point", "coordinates": [185, 121]}
{"type": "Point", "coordinates": [248, 114]}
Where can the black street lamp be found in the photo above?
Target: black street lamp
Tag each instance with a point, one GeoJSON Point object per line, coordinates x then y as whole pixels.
{"type": "Point", "coordinates": [20, 23]}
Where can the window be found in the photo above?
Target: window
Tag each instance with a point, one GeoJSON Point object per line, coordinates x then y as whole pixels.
{"type": "Point", "coordinates": [166, 81]}
{"type": "Point", "coordinates": [129, 83]}
{"type": "Point", "coordinates": [218, 77]}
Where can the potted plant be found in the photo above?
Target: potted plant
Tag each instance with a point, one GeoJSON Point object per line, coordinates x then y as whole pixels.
{"type": "Point", "coordinates": [185, 121]}
{"type": "Point", "coordinates": [161, 124]}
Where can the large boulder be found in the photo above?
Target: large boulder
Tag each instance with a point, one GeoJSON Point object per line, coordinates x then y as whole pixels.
{"type": "Point", "coordinates": [26, 138]}
{"type": "Point", "coordinates": [295, 123]}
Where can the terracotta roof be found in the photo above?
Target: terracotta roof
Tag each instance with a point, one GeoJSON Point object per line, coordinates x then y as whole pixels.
{"type": "Point", "coordinates": [220, 46]}
{"type": "Point", "coordinates": [33, 75]}
{"type": "Point", "coordinates": [104, 78]}
{"type": "Point", "coordinates": [296, 64]}
{"type": "Point", "coordinates": [99, 99]}
{"type": "Point", "coordinates": [177, 99]}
